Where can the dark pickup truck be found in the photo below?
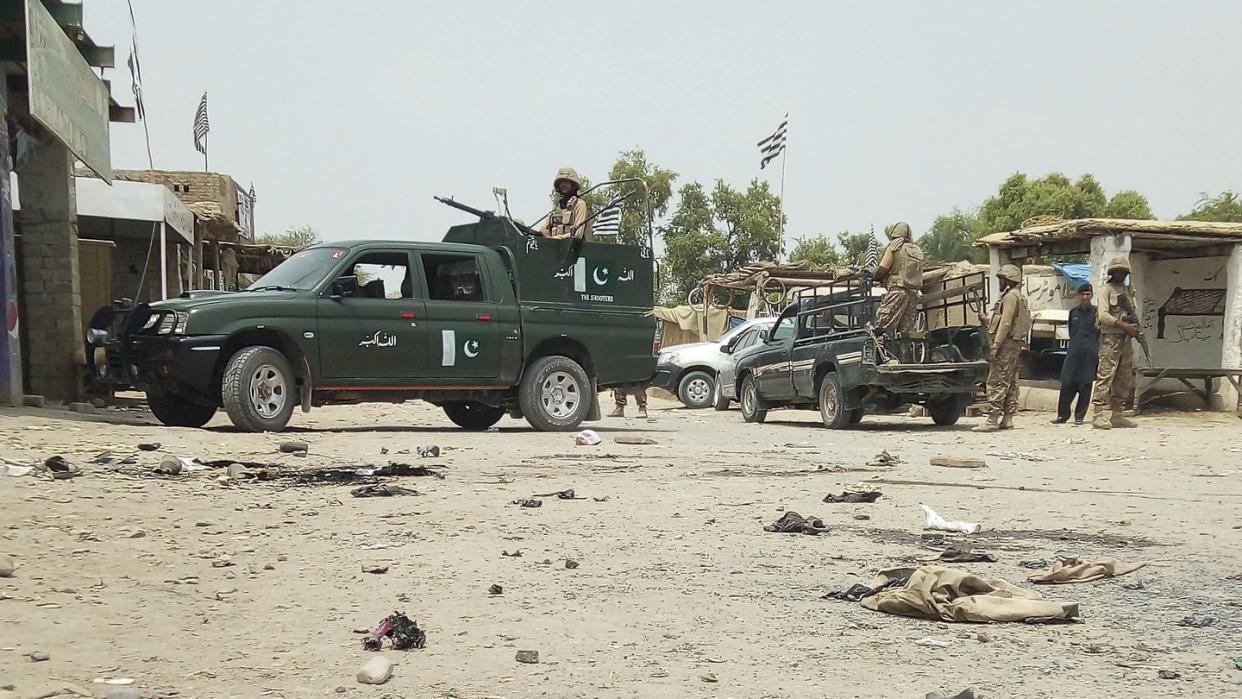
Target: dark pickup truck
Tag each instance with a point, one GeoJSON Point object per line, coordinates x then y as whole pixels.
{"type": "Point", "coordinates": [491, 321]}
{"type": "Point", "coordinates": [821, 354]}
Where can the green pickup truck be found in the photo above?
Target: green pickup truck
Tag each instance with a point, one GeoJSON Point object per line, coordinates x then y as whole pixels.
{"type": "Point", "coordinates": [491, 321]}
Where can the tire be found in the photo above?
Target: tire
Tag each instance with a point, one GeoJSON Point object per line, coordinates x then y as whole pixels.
{"type": "Point", "coordinates": [171, 411]}
{"type": "Point", "coordinates": [473, 415]}
{"type": "Point", "coordinates": [696, 388]}
{"type": "Point", "coordinates": [856, 415]}
{"type": "Point", "coordinates": [832, 408]}
{"type": "Point", "coordinates": [555, 394]}
{"type": "Point", "coordinates": [259, 390]}
{"type": "Point", "coordinates": [753, 407]}
{"type": "Point", "coordinates": [945, 411]}
{"type": "Point", "coordinates": [719, 402]}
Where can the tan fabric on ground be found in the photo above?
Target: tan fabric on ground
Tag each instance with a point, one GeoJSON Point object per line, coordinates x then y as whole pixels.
{"type": "Point", "coordinates": [949, 594]}
{"type": "Point", "coordinates": [1072, 570]}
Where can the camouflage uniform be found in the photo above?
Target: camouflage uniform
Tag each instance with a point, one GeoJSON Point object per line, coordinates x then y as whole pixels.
{"type": "Point", "coordinates": [902, 270]}
{"type": "Point", "coordinates": [618, 397]}
{"type": "Point", "coordinates": [569, 218]}
{"type": "Point", "coordinates": [1114, 380]}
{"type": "Point", "coordinates": [1009, 327]}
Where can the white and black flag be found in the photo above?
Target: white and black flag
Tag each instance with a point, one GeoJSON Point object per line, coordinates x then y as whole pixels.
{"type": "Point", "coordinates": [608, 222]}
{"type": "Point", "coordinates": [201, 126]}
{"type": "Point", "coordinates": [135, 68]}
{"type": "Point", "coordinates": [773, 145]}
{"type": "Point", "coordinates": [873, 251]}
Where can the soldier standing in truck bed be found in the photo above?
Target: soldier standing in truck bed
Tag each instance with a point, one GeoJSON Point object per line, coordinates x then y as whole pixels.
{"type": "Point", "coordinates": [569, 218]}
{"type": "Point", "coordinates": [1009, 327]}
{"type": "Point", "coordinates": [902, 268]}
{"type": "Point", "coordinates": [1114, 380]}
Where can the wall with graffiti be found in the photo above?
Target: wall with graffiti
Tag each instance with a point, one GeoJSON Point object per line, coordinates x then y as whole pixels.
{"type": "Point", "coordinates": [1183, 309]}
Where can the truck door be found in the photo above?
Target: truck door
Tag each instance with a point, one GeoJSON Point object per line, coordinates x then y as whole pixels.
{"type": "Point", "coordinates": [463, 319]}
{"type": "Point", "coordinates": [371, 323]}
{"type": "Point", "coordinates": [776, 382]}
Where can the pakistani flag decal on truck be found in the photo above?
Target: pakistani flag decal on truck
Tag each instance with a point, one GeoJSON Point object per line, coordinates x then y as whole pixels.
{"type": "Point", "coordinates": [595, 279]}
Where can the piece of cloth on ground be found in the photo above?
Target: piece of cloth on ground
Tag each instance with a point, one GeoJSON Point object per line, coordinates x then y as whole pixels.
{"type": "Point", "coordinates": [1073, 570]}
{"type": "Point", "coordinates": [794, 523]}
{"type": "Point", "coordinates": [966, 556]}
{"type": "Point", "coordinates": [948, 594]}
{"type": "Point", "coordinates": [847, 496]}
{"type": "Point", "coordinates": [381, 490]}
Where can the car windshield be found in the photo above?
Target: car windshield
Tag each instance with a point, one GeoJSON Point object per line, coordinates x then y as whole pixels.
{"type": "Point", "coordinates": [724, 339]}
{"type": "Point", "coordinates": [301, 271]}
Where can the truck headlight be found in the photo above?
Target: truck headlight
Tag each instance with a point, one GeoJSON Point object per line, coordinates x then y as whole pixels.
{"type": "Point", "coordinates": [173, 323]}
{"type": "Point", "coordinates": [669, 358]}
{"type": "Point", "coordinates": [179, 326]}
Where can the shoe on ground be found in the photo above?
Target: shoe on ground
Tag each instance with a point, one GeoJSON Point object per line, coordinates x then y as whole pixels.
{"type": "Point", "coordinates": [1006, 423]}
{"type": "Point", "coordinates": [1077, 423]}
{"type": "Point", "coordinates": [1122, 422]}
{"type": "Point", "coordinates": [642, 413]}
{"type": "Point", "coordinates": [1060, 420]}
{"type": "Point", "coordinates": [1101, 425]}
{"type": "Point", "coordinates": [986, 427]}
{"type": "Point", "coordinates": [617, 412]}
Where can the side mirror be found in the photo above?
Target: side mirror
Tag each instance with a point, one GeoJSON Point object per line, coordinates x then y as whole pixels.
{"type": "Point", "coordinates": [726, 348]}
{"type": "Point", "coordinates": [344, 287]}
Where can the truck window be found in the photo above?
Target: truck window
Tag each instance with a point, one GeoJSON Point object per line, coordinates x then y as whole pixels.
{"type": "Point", "coordinates": [785, 330]}
{"type": "Point", "coordinates": [383, 275]}
{"type": "Point", "coordinates": [453, 277]}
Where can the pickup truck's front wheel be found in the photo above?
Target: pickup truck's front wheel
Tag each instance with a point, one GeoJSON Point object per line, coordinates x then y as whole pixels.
{"type": "Point", "coordinates": [259, 391]}
{"type": "Point", "coordinates": [174, 412]}
{"type": "Point", "coordinates": [555, 394]}
{"type": "Point", "coordinates": [473, 415]}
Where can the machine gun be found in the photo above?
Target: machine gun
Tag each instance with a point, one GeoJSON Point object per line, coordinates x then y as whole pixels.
{"type": "Point", "coordinates": [1132, 318]}
{"type": "Point", "coordinates": [485, 215]}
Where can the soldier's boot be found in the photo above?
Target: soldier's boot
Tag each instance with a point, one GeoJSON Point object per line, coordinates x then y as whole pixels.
{"type": "Point", "coordinates": [1101, 420]}
{"type": "Point", "coordinates": [618, 411]}
{"type": "Point", "coordinates": [1120, 420]}
{"type": "Point", "coordinates": [992, 425]}
{"type": "Point", "coordinates": [1006, 422]}
{"type": "Point", "coordinates": [642, 411]}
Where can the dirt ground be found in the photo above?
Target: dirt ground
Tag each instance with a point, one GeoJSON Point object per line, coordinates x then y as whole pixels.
{"type": "Point", "coordinates": [198, 586]}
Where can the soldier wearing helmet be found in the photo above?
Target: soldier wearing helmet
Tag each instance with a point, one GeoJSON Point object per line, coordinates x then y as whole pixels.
{"type": "Point", "coordinates": [902, 270]}
{"type": "Point", "coordinates": [1117, 320]}
{"type": "Point", "coordinates": [569, 217]}
{"type": "Point", "coordinates": [1009, 327]}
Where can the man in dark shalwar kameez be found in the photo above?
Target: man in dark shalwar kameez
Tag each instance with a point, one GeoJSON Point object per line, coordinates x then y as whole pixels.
{"type": "Point", "coordinates": [1081, 360]}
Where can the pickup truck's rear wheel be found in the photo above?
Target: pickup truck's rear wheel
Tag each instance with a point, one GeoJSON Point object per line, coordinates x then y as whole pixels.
{"type": "Point", "coordinates": [259, 390]}
{"type": "Point", "coordinates": [555, 394]}
{"type": "Point", "coordinates": [175, 412]}
{"type": "Point", "coordinates": [473, 415]}
{"type": "Point", "coordinates": [753, 407]}
{"type": "Point", "coordinates": [831, 403]}
{"type": "Point", "coordinates": [695, 389]}
{"type": "Point", "coordinates": [719, 402]}
{"type": "Point", "coordinates": [945, 411]}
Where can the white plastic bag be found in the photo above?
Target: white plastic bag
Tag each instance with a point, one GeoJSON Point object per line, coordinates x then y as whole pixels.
{"type": "Point", "coordinates": [587, 438]}
{"type": "Point", "coordinates": [935, 521]}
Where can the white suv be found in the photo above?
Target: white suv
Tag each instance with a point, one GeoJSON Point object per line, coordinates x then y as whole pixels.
{"type": "Point", "coordinates": [690, 370]}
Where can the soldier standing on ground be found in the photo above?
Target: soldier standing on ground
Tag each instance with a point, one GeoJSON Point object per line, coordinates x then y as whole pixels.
{"type": "Point", "coordinates": [569, 218]}
{"type": "Point", "coordinates": [618, 398]}
{"type": "Point", "coordinates": [1081, 359]}
{"type": "Point", "coordinates": [1114, 380]}
{"type": "Point", "coordinates": [1009, 326]}
{"type": "Point", "coordinates": [902, 267]}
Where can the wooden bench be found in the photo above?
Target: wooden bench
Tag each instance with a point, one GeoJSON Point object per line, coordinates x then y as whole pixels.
{"type": "Point", "coordinates": [1208, 376]}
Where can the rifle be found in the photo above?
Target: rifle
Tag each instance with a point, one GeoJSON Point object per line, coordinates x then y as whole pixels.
{"type": "Point", "coordinates": [1131, 317]}
{"type": "Point", "coordinates": [484, 215]}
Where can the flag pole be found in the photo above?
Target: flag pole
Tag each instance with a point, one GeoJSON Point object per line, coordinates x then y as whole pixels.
{"type": "Point", "coordinates": [205, 168]}
{"type": "Point", "coordinates": [782, 201]}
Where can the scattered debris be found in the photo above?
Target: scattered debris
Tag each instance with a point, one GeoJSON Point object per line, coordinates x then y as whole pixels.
{"type": "Point", "coordinates": [968, 693]}
{"type": "Point", "coordinates": [623, 439]}
{"type": "Point", "coordinates": [528, 502]}
{"type": "Point", "coordinates": [515, 554]}
{"type": "Point", "coordinates": [401, 631]}
{"type": "Point", "coordinates": [862, 518]}
{"type": "Point", "coordinates": [345, 475]}
{"type": "Point", "coordinates": [935, 521]}
{"type": "Point", "coordinates": [559, 495]}
{"type": "Point", "coordinates": [14, 468]}
{"type": "Point", "coordinates": [603, 499]}
{"type": "Point", "coordinates": [529, 657]}
{"type": "Point", "coordinates": [793, 523]}
{"type": "Point", "coordinates": [932, 643]}
{"type": "Point", "coordinates": [60, 468]}
{"type": "Point", "coordinates": [960, 555]}
{"type": "Point", "coordinates": [38, 656]}
{"type": "Point", "coordinates": [952, 462]}
{"type": "Point", "coordinates": [1136, 585]}
{"type": "Point", "coordinates": [709, 677]}
{"type": "Point", "coordinates": [857, 496]}
{"type": "Point", "coordinates": [495, 590]}
{"type": "Point", "coordinates": [428, 451]}
{"type": "Point", "coordinates": [884, 460]}
{"type": "Point", "coordinates": [858, 591]}
{"type": "Point", "coordinates": [294, 447]}
{"type": "Point", "coordinates": [1197, 622]}
{"type": "Point", "coordinates": [374, 568]}
{"type": "Point", "coordinates": [377, 670]}
{"type": "Point", "coordinates": [1168, 675]}
{"type": "Point", "coordinates": [1037, 564]}
{"type": "Point", "coordinates": [570, 564]}
{"type": "Point", "coordinates": [587, 438]}
{"type": "Point", "coordinates": [1021, 455]}
{"type": "Point", "coordinates": [953, 595]}
{"type": "Point", "coordinates": [7, 567]}
{"type": "Point", "coordinates": [1073, 570]}
{"type": "Point", "coordinates": [150, 446]}
{"type": "Point", "coordinates": [381, 490]}
{"type": "Point", "coordinates": [176, 465]}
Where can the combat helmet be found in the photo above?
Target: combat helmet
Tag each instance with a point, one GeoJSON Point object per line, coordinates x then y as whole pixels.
{"type": "Point", "coordinates": [1121, 263]}
{"type": "Point", "coordinates": [567, 173]}
{"type": "Point", "coordinates": [1011, 273]}
{"type": "Point", "coordinates": [900, 230]}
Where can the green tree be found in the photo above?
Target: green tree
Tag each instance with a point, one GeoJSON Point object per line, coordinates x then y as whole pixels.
{"type": "Point", "coordinates": [1222, 208]}
{"type": "Point", "coordinates": [817, 252]}
{"type": "Point", "coordinates": [659, 190]}
{"type": "Point", "coordinates": [296, 237]}
{"type": "Point", "coordinates": [713, 233]}
{"type": "Point", "coordinates": [854, 247]}
{"type": "Point", "coordinates": [1020, 198]}
{"type": "Point", "coordinates": [1128, 204]}
{"type": "Point", "coordinates": [952, 237]}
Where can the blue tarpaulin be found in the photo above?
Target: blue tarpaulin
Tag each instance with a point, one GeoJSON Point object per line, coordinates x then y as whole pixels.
{"type": "Point", "coordinates": [1078, 273]}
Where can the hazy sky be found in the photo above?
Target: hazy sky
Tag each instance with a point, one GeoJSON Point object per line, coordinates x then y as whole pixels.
{"type": "Point", "coordinates": [350, 116]}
